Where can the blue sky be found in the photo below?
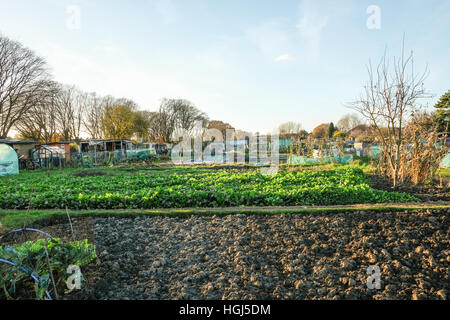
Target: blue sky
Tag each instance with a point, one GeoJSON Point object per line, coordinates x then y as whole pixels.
{"type": "Point", "coordinates": [252, 63]}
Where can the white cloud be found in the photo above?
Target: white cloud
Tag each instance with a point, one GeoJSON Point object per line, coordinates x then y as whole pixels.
{"type": "Point", "coordinates": [284, 57]}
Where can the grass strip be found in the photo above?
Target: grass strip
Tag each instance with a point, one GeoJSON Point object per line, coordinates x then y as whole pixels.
{"type": "Point", "coordinates": [16, 218]}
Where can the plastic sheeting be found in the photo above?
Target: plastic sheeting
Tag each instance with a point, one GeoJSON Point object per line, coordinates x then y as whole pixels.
{"type": "Point", "coordinates": [445, 163]}
{"type": "Point", "coordinates": [305, 161]}
{"type": "Point", "coordinates": [141, 154]}
{"type": "Point", "coordinates": [9, 164]}
{"type": "Point", "coordinates": [375, 151]}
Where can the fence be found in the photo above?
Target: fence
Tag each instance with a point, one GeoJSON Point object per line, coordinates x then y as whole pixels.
{"type": "Point", "coordinates": [306, 161]}
{"type": "Point", "coordinates": [50, 160]}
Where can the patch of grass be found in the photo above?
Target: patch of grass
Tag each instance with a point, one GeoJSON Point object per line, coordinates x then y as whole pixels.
{"type": "Point", "coordinates": [17, 218]}
{"type": "Point", "coordinates": [445, 173]}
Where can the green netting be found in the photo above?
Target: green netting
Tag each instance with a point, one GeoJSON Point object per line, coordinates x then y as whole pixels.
{"type": "Point", "coordinates": [375, 151]}
{"type": "Point", "coordinates": [87, 161]}
{"type": "Point", "coordinates": [142, 154]}
{"type": "Point", "coordinates": [9, 164]}
{"type": "Point", "coordinates": [305, 161]}
{"type": "Point", "coordinates": [445, 163]}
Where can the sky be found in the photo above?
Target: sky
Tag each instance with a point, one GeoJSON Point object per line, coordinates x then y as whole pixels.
{"type": "Point", "coordinates": [252, 63]}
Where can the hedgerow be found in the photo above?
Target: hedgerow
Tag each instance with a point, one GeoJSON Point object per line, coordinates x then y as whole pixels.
{"type": "Point", "coordinates": [210, 189]}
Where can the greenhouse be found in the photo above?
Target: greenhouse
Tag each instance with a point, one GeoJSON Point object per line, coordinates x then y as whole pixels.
{"type": "Point", "coordinates": [9, 163]}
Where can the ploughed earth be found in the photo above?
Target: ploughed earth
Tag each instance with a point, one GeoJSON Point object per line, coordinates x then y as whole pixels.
{"type": "Point", "coordinates": [265, 256]}
{"type": "Point", "coordinates": [436, 191]}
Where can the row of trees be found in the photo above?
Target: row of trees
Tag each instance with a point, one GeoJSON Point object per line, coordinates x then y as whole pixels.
{"type": "Point", "coordinates": [24, 82]}
{"type": "Point", "coordinates": [352, 124]}
{"type": "Point", "coordinates": [39, 108]}
{"type": "Point", "coordinates": [324, 130]}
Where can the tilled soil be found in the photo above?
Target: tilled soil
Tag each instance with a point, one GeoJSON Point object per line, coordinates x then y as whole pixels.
{"type": "Point", "coordinates": [282, 256]}
{"type": "Point", "coordinates": [424, 192]}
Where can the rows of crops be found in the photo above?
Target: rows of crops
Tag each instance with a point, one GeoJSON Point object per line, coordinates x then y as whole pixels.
{"type": "Point", "coordinates": [210, 189]}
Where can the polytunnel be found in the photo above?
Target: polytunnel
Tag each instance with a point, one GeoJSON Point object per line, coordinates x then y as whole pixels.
{"type": "Point", "coordinates": [9, 164]}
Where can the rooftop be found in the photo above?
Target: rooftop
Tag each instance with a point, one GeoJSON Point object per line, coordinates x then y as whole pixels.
{"type": "Point", "coordinates": [104, 140]}
{"type": "Point", "coordinates": [17, 141]}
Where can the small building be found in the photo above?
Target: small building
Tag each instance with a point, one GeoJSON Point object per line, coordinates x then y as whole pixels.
{"type": "Point", "coordinates": [50, 156]}
{"type": "Point", "coordinates": [22, 147]}
{"type": "Point", "coordinates": [362, 148]}
{"type": "Point", "coordinates": [63, 145]}
{"type": "Point", "coordinates": [109, 145]}
{"type": "Point", "coordinates": [162, 148]}
{"type": "Point", "coordinates": [358, 132]}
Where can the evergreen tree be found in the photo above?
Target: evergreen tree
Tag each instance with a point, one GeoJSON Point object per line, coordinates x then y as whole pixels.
{"type": "Point", "coordinates": [443, 113]}
{"type": "Point", "coordinates": [330, 131]}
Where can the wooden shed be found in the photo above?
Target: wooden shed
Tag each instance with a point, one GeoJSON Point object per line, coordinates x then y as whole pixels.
{"type": "Point", "coordinates": [22, 147]}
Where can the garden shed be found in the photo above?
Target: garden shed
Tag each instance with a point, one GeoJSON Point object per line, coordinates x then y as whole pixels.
{"type": "Point", "coordinates": [9, 163]}
{"type": "Point", "coordinates": [22, 147]}
{"type": "Point", "coordinates": [109, 145]}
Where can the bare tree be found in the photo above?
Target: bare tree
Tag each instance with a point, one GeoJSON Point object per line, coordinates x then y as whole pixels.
{"type": "Point", "coordinates": [320, 131]}
{"type": "Point", "coordinates": [23, 82]}
{"type": "Point", "coordinates": [221, 126]}
{"type": "Point", "coordinates": [94, 110]}
{"type": "Point", "coordinates": [39, 123]}
{"type": "Point", "coordinates": [187, 115]}
{"type": "Point", "coordinates": [166, 121]}
{"type": "Point", "coordinates": [348, 122]}
{"type": "Point", "coordinates": [390, 97]}
{"type": "Point", "coordinates": [426, 149]}
{"type": "Point", "coordinates": [290, 127]}
{"type": "Point", "coordinates": [173, 115]}
{"type": "Point", "coordinates": [154, 131]}
{"type": "Point", "coordinates": [124, 102]}
{"type": "Point", "coordinates": [69, 112]}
